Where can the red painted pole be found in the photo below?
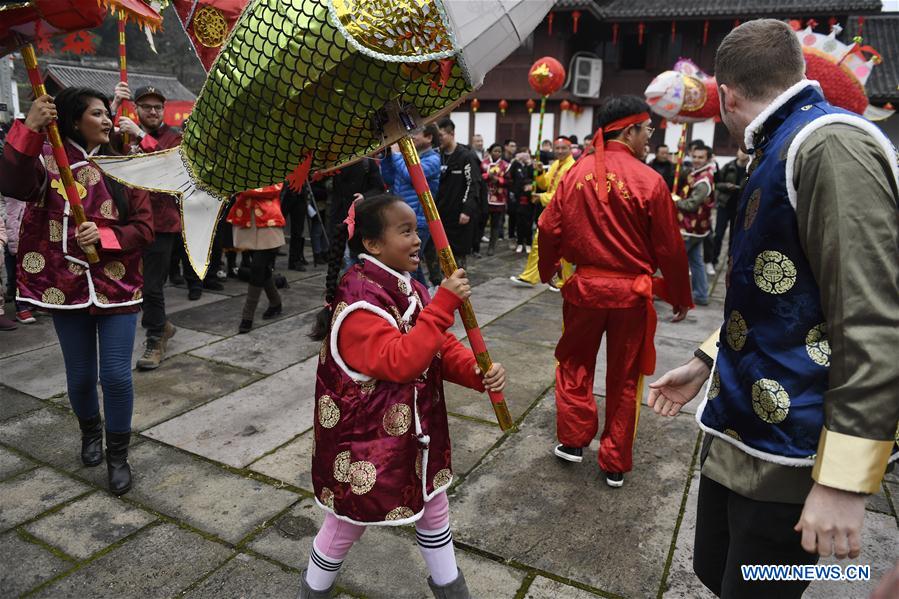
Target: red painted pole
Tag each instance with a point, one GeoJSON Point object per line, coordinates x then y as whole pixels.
{"type": "Point", "coordinates": [123, 73]}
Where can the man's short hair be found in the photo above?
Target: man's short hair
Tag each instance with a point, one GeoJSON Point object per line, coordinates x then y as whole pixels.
{"type": "Point", "coordinates": [760, 59]}
{"type": "Point", "coordinates": [447, 123]}
{"type": "Point", "coordinates": [660, 146]}
{"type": "Point", "coordinates": [432, 132]}
{"type": "Point", "coordinates": [618, 107]}
{"type": "Point", "coordinates": [509, 141]}
{"type": "Point", "coordinates": [702, 148]}
{"type": "Point", "coordinates": [696, 143]}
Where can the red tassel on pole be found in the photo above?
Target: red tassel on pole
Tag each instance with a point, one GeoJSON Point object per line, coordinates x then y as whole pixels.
{"type": "Point", "coordinates": [861, 25]}
{"type": "Point", "coordinates": [641, 31]}
{"type": "Point", "coordinates": [575, 17]}
{"type": "Point", "coordinates": [615, 28]}
{"type": "Point", "coordinates": [549, 19]}
{"type": "Point", "coordinates": [705, 33]}
{"type": "Point", "coordinates": [673, 30]}
{"type": "Point", "coordinates": [832, 21]}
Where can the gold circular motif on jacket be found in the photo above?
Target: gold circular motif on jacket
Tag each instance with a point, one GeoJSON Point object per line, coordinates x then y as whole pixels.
{"type": "Point", "coordinates": [770, 401]}
{"type": "Point", "coordinates": [399, 513]}
{"type": "Point", "coordinates": [101, 299]}
{"type": "Point", "coordinates": [397, 419]}
{"type": "Point", "coordinates": [817, 345]}
{"type": "Point", "coordinates": [328, 412]}
{"type": "Point", "coordinates": [442, 478]}
{"type": "Point", "coordinates": [33, 262]}
{"type": "Point", "coordinates": [76, 269]}
{"type": "Point", "coordinates": [403, 286]}
{"type": "Point", "coordinates": [736, 331]}
{"type": "Point", "coordinates": [774, 272]}
{"type": "Point", "coordinates": [342, 467]}
{"type": "Point", "coordinates": [327, 498]}
{"type": "Point", "coordinates": [88, 176]}
{"type": "Point", "coordinates": [108, 209]}
{"type": "Point", "coordinates": [362, 477]}
{"type": "Point", "coordinates": [55, 231]}
{"type": "Point", "coordinates": [115, 270]}
{"type": "Point", "coordinates": [752, 208]}
{"type": "Point", "coordinates": [137, 295]}
{"type": "Point", "coordinates": [732, 433]}
{"type": "Point", "coordinates": [54, 296]}
{"type": "Point", "coordinates": [715, 385]}
{"type": "Point", "coordinates": [418, 459]}
{"type": "Point", "coordinates": [210, 26]}
{"type": "Point", "coordinates": [50, 165]}
{"type": "Point", "coordinates": [337, 310]}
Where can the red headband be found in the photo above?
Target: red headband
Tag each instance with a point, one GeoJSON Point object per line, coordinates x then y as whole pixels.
{"type": "Point", "coordinates": [599, 168]}
{"type": "Point", "coordinates": [564, 140]}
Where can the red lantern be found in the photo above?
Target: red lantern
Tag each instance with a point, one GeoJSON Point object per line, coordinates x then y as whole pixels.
{"type": "Point", "coordinates": [575, 108]}
{"type": "Point", "coordinates": [475, 104]}
{"type": "Point", "coordinates": [503, 105]}
{"type": "Point", "coordinates": [575, 17]}
{"type": "Point", "coordinates": [641, 31]}
{"type": "Point", "coordinates": [531, 105]}
{"type": "Point", "coordinates": [546, 76]}
{"type": "Point", "coordinates": [565, 105]}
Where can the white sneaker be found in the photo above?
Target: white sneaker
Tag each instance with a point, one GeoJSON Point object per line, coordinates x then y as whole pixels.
{"type": "Point", "coordinates": [527, 249]}
{"type": "Point", "coordinates": [519, 249]}
{"type": "Point", "coordinates": [710, 269]}
{"type": "Point", "coordinates": [520, 282]}
{"type": "Point", "coordinates": [554, 289]}
{"type": "Point", "coordinates": [485, 239]}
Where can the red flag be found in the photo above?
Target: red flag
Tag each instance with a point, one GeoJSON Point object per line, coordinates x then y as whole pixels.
{"type": "Point", "coordinates": [208, 23]}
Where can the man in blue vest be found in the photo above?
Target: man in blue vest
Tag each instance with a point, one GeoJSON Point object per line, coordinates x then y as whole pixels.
{"type": "Point", "coordinates": [801, 410]}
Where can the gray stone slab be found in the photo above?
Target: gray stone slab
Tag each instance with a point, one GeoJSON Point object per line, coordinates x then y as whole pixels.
{"type": "Point", "coordinates": [40, 372]}
{"type": "Point", "coordinates": [181, 383]}
{"type": "Point", "coordinates": [291, 463]}
{"type": "Point", "coordinates": [223, 320]}
{"type": "Point", "coordinates": [11, 464]}
{"type": "Point", "coordinates": [245, 577]}
{"type": "Point", "coordinates": [384, 563]}
{"type": "Point", "coordinates": [267, 348]}
{"type": "Point", "coordinates": [530, 369]}
{"type": "Point", "coordinates": [878, 502]}
{"type": "Point", "coordinates": [533, 323]}
{"type": "Point", "coordinates": [544, 588]}
{"type": "Point", "coordinates": [32, 493]}
{"type": "Point", "coordinates": [158, 562]}
{"type": "Point", "coordinates": [183, 341]}
{"type": "Point", "coordinates": [880, 548]}
{"type": "Point", "coordinates": [28, 336]}
{"type": "Point", "coordinates": [893, 489]}
{"type": "Point", "coordinates": [682, 582]}
{"type": "Point", "coordinates": [471, 441]}
{"type": "Point", "coordinates": [627, 541]}
{"type": "Point", "coordinates": [25, 565]}
{"type": "Point", "coordinates": [201, 494]}
{"type": "Point", "coordinates": [50, 435]}
{"type": "Point", "coordinates": [492, 299]}
{"type": "Point", "coordinates": [242, 426]}
{"type": "Point", "coordinates": [700, 322]}
{"type": "Point", "coordinates": [90, 524]}
{"type": "Point", "coordinates": [13, 403]}
{"type": "Point", "coordinates": [176, 299]}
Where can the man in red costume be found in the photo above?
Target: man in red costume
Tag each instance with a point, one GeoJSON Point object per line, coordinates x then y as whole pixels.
{"type": "Point", "coordinates": [612, 215]}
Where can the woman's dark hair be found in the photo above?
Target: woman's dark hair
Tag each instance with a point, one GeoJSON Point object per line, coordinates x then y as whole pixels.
{"type": "Point", "coordinates": [618, 107]}
{"type": "Point", "coordinates": [492, 146]}
{"type": "Point", "coordinates": [369, 225]}
{"type": "Point", "coordinates": [70, 106]}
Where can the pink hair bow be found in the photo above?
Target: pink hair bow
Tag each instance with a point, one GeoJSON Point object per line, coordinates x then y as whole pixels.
{"type": "Point", "coordinates": [350, 221]}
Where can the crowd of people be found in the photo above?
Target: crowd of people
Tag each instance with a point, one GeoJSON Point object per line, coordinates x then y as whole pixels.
{"type": "Point", "coordinates": [806, 379]}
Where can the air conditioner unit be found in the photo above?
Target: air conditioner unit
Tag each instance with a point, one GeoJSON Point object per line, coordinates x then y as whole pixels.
{"type": "Point", "coordinates": [586, 77]}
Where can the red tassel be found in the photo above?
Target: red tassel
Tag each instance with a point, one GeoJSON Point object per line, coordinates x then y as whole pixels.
{"type": "Point", "coordinates": [663, 124]}
{"type": "Point", "coordinates": [550, 18]}
{"type": "Point", "coordinates": [811, 23]}
{"type": "Point", "coordinates": [861, 25]}
{"type": "Point", "coordinates": [298, 177]}
{"type": "Point", "coordinates": [832, 21]}
{"type": "Point", "coordinates": [614, 34]}
{"type": "Point", "coordinates": [641, 31]}
{"type": "Point", "coordinates": [673, 30]}
{"type": "Point", "coordinates": [705, 33]}
{"type": "Point", "coordinates": [575, 17]}
{"type": "Point", "coordinates": [736, 23]}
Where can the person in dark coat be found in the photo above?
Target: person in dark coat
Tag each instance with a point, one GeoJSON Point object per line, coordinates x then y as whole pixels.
{"type": "Point", "coordinates": [361, 179]}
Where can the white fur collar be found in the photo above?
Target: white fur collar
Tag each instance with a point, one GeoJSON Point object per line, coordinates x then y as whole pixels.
{"type": "Point", "coordinates": [773, 107]}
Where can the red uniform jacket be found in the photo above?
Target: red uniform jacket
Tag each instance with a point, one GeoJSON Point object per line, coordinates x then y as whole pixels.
{"type": "Point", "coordinates": [166, 209]}
{"type": "Point", "coordinates": [264, 203]}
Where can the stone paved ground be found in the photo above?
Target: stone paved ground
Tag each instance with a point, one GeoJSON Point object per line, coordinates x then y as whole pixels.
{"type": "Point", "coordinates": [221, 505]}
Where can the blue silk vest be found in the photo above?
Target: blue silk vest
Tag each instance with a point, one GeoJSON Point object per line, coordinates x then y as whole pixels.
{"type": "Point", "coordinates": [766, 393]}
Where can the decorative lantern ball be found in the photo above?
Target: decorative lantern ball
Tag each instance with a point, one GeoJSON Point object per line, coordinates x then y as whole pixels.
{"type": "Point", "coordinates": [565, 105]}
{"type": "Point", "coordinates": [531, 105]}
{"type": "Point", "coordinates": [503, 106]}
{"type": "Point", "coordinates": [475, 104]}
{"type": "Point", "coordinates": [546, 76]}
{"type": "Point", "coordinates": [575, 108]}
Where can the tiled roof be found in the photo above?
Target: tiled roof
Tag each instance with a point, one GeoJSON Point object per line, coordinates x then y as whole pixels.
{"type": "Point", "coordinates": [105, 81]}
{"type": "Point", "coordinates": [700, 9]}
{"type": "Point", "coordinates": [882, 34]}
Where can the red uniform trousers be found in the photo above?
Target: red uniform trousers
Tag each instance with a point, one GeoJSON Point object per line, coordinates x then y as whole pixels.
{"type": "Point", "coordinates": [576, 415]}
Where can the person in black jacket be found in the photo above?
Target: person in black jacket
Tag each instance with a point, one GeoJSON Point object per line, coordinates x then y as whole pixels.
{"type": "Point", "coordinates": [457, 198]}
{"type": "Point", "coordinates": [293, 206]}
{"type": "Point", "coordinates": [522, 171]}
{"type": "Point", "coordinates": [350, 183]}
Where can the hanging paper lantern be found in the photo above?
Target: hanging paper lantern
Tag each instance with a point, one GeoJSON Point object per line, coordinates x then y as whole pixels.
{"type": "Point", "coordinates": [705, 33]}
{"type": "Point", "coordinates": [795, 24]}
{"type": "Point", "coordinates": [565, 105]}
{"type": "Point", "coordinates": [575, 108]}
{"type": "Point", "coordinates": [615, 28]}
{"type": "Point", "coordinates": [503, 105]}
{"type": "Point", "coordinates": [575, 17]}
{"type": "Point", "coordinates": [475, 104]}
{"type": "Point", "coordinates": [531, 104]}
{"type": "Point", "coordinates": [546, 76]}
{"type": "Point", "coordinates": [641, 31]}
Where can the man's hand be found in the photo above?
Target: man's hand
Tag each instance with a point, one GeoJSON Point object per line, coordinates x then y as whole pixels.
{"type": "Point", "coordinates": [677, 387]}
{"type": "Point", "coordinates": [680, 313]}
{"type": "Point", "coordinates": [122, 93]}
{"type": "Point", "coordinates": [41, 114]}
{"type": "Point", "coordinates": [87, 234]}
{"type": "Point", "coordinates": [128, 126]}
{"type": "Point", "coordinates": [464, 219]}
{"type": "Point", "coordinates": [831, 522]}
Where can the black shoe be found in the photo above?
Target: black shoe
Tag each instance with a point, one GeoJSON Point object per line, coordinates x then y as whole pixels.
{"type": "Point", "coordinates": [91, 440]}
{"type": "Point", "coordinates": [195, 293]}
{"type": "Point", "coordinates": [303, 261]}
{"type": "Point", "coordinates": [271, 312]}
{"type": "Point", "coordinates": [117, 462]}
{"type": "Point", "coordinates": [245, 326]}
{"type": "Point", "coordinates": [320, 259]}
{"type": "Point", "coordinates": [213, 285]}
{"type": "Point", "coordinates": [614, 479]}
{"type": "Point", "coordinates": [296, 266]}
{"type": "Point", "coordinates": [490, 252]}
{"type": "Point", "coordinates": [176, 279]}
{"type": "Point", "coordinates": [232, 272]}
{"type": "Point", "coordinates": [569, 454]}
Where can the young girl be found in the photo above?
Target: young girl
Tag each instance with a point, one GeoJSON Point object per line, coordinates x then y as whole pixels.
{"type": "Point", "coordinates": [495, 172]}
{"type": "Point", "coordinates": [382, 451]}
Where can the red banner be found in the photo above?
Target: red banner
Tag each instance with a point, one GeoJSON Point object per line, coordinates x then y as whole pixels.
{"type": "Point", "coordinates": [208, 23]}
{"type": "Point", "coordinates": [176, 111]}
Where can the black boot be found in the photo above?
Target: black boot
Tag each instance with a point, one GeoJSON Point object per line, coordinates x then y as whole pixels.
{"type": "Point", "coordinates": [91, 440]}
{"type": "Point", "coordinates": [117, 462]}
